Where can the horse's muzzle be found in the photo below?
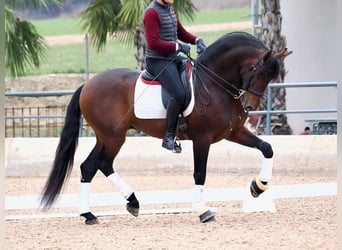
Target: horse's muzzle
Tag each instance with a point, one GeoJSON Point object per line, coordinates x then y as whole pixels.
{"type": "Point", "coordinates": [245, 104]}
{"type": "Point", "coordinates": [249, 108]}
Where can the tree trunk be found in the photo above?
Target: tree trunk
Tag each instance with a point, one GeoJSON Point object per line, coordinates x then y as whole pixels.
{"type": "Point", "coordinates": [271, 19]}
{"type": "Point", "coordinates": [139, 45]}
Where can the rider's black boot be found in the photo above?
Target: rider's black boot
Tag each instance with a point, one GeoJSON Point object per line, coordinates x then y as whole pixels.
{"type": "Point", "coordinates": [172, 113]}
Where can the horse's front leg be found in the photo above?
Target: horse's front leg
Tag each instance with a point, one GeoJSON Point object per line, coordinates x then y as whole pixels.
{"type": "Point", "coordinates": [200, 151]}
{"type": "Point", "coordinates": [246, 138]}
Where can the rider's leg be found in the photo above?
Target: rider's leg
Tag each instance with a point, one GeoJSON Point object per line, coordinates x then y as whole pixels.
{"type": "Point", "coordinates": [169, 78]}
{"type": "Point", "coordinates": [172, 113]}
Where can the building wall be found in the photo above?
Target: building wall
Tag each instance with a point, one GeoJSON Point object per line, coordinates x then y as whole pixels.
{"type": "Point", "coordinates": [310, 30]}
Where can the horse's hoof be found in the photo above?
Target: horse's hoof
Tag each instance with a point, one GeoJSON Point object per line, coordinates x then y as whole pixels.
{"type": "Point", "coordinates": [257, 187]}
{"type": "Point", "coordinates": [132, 210]}
{"type": "Point", "coordinates": [205, 215]}
{"type": "Point", "coordinates": [90, 218]}
{"type": "Point", "coordinates": [92, 222]}
{"type": "Point", "coordinates": [133, 205]}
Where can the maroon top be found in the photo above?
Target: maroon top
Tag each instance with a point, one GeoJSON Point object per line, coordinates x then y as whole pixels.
{"type": "Point", "coordinates": [152, 24]}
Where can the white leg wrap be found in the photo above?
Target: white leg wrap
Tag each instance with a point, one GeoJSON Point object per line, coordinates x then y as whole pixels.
{"type": "Point", "coordinates": [83, 198]}
{"type": "Point", "coordinates": [198, 198]}
{"type": "Point", "coordinates": [125, 189]}
{"type": "Point", "coordinates": [266, 170]}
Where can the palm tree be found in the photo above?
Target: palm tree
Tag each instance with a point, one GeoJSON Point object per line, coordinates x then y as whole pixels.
{"type": "Point", "coordinates": [124, 20]}
{"type": "Point", "coordinates": [24, 46]}
{"type": "Point", "coordinates": [271, 19]}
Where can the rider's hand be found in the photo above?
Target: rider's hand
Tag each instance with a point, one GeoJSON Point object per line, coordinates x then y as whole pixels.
{"type": "Point", "coordinates": [185, 48]}
{"type": "Point", "coordinates": [200, 46]}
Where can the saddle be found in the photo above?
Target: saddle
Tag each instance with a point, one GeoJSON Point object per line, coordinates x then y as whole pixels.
{"type": "Point", "coordinates": [150, 99]}
{"type": "Point", "coordinates": [184, 69]}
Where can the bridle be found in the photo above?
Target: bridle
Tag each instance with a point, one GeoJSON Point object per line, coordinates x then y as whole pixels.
{"type": "Point", "coordinates": [247, 81]}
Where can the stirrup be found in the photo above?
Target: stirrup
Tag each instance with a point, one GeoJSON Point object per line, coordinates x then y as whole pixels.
{"type": "Point", "coordinates": [177, 148]}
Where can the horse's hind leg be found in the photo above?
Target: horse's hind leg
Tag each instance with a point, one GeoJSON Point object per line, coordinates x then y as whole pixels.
{"type": "Point", "coordinates": [101, 159]}
{"type": "Point", "coordinates": [126, 190]}
{"type": "Point", "coordinates": [88, 171]}
{"type": "Point", "coordinates": [109, 151]}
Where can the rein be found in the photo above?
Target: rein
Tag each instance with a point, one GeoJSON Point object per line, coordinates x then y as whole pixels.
{"type": "Point", "coordinates": [211, 74]}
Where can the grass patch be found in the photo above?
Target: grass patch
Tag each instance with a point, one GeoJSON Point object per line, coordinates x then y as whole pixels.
{"type": "Point", "coordinates": [71, 59]}
{"type": "Point", "coordinates": [210, 37]}
{"type": "Point", "coordinates": [58, 26]}
{"type": "Point", "coordinates": [220, 16]}
{"type": "Point", "coordinates": [68, 26]}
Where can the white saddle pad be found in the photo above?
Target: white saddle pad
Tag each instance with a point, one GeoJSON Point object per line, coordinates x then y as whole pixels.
{"type": "Point", "coordinates": [148, 100]}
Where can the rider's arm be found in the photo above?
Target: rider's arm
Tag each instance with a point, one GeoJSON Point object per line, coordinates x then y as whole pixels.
{"type": "Point", "coordinates": [184, 35]}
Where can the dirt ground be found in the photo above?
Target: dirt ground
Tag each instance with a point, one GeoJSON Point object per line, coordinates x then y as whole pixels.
{"type": "Point", "coordinates": [299, 223]}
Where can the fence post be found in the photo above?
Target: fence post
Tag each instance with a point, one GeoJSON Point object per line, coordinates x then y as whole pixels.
{"type": "Point", "coordinates": [81, 127]}
{"type": "Point", "coordinates": [86, 56]}
{"type": "Point", "coordinates": [255, 18]}
{"type": "Point", "coordinates": [87, 73]}
{"type": "Point", "coordinates": [269, 107]}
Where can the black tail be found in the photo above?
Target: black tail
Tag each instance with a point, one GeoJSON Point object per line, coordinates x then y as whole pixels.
{"type": "Point", "coordinates": [65, 152]}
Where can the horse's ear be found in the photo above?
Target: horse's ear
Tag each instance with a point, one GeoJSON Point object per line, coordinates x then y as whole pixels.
{"type": "Point", "coordinates": [281, 54]}
{"type": "Point", "coordinates": [266, 57]}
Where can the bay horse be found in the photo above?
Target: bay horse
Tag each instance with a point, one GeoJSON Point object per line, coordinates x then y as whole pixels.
{"type": "Point", "coordinates": [229, 79]}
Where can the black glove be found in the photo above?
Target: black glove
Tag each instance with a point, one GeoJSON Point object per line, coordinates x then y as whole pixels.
{"type": "Point", "coordinates": [185, 48]}
{"type": "Point", "coordinates": [200, 46]}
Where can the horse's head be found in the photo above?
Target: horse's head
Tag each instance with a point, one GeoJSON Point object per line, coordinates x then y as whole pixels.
{"type": "Point", "coordinates": [258, 75]}
{"type": "Point", "coordinates": [242, 66]}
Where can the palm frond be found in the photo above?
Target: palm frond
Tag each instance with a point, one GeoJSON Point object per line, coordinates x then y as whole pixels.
{"type": "Point", "coordinates": [131, 16]}
{"type": "Point", "coordinates": [132, 12]}
{"type": "Point", "coordinates": [36, 4]}
{"type": "Point", "coordinates": [99, 19]}
{"type": "Point", "coordinates": [24, 47]}
{"type": "Point", "coordinates": [185, 8]}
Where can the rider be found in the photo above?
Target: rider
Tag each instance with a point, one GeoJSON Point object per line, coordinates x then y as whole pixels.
{"type": "Point", "coordinates": [162, 29]}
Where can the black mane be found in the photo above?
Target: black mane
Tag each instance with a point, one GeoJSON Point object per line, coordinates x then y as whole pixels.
{"type": "Point", "coordinates": [230, 41]}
